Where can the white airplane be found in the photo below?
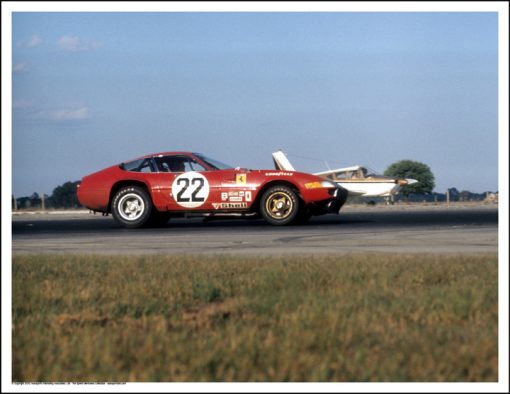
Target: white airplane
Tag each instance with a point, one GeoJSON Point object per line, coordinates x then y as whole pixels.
{"type": "Point", "coordinates": [358, 180]}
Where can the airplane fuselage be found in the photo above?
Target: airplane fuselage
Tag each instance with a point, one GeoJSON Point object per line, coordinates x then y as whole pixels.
{"type": "Point", "coordinates": [373, 188]}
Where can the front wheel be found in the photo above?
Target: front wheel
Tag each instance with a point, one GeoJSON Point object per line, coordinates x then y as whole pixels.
{"type": "Point", "coordinates": [131, 207]}
{"type": "Point", "coordinates": [279, 205]}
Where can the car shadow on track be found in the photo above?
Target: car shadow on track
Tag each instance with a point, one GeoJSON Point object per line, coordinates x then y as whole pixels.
{"type": "Point", "coordinates": [80, 226]}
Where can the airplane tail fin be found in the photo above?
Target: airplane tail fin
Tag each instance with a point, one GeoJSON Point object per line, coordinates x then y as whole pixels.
{"type": "Point", "coordinates": [281, 162]}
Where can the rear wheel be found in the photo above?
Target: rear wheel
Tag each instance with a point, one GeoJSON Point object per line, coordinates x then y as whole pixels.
{"type": "Point", "coordinates": [131, 206]}
{"type": "Point", "coordinates": [279, 205]}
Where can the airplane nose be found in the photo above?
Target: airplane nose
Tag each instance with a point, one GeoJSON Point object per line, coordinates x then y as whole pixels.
{"type": "Point", "coordinates": [407, 181]}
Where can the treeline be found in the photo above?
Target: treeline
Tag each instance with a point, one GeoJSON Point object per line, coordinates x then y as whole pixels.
{"type": "Point", "coordinates": [63, 196]}
{"type": "Point", "coordinates": [452, 195]}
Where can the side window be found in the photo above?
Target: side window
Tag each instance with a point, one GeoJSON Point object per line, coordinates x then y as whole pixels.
{"type": "Point", "coordinates": [177, 164]}
{"type": "Point", "coordinates": [192, 165]}
{"type": "Point", "coordinates": [340, 175]}
{"type": "Point", "coordinates": [142, 165]}
{"type": "Point", "coordinates": [358, 174]}
{"type": "Point", "coordinates": [146, 166]}
{"type": "Point", "coordinates": [170, 163]}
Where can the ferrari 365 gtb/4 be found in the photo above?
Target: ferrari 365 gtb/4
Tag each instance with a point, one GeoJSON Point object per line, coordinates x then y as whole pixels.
{"type": "Point", "coordinates": [153, 188]}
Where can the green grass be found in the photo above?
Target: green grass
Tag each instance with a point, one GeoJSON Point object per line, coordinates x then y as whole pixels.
{"type": "Point", "coordinates": [195, 318]}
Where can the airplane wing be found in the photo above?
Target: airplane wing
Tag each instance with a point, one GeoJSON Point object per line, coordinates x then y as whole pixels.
{"type": "Point", "coordinates": [337, 170]}
{"type": "Point", "coordinates": [281, 162]}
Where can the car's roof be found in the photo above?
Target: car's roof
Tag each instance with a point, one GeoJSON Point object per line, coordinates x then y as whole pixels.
{"type": "Point", "coordinates": [162, 154]}
{"type": "Point", "coordinates": [168, 153]}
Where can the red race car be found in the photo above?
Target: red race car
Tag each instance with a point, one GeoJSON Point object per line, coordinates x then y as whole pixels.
{"type": "Point", "coordinates": [152, 189]}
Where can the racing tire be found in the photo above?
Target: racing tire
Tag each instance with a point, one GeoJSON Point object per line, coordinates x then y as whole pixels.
{"type": "Point", "coordinates": [131, 207]}
{"type": "Point", "coordinates": [279, 205]}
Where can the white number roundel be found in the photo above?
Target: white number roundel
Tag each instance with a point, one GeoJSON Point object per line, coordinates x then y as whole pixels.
{"type": "Point", "coordinates": [190, 190]}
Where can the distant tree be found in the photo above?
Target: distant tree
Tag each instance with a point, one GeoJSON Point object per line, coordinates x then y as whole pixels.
{"type": "Point", "coordinates": [454, 194]}
{"type": "Point", "coordinates": [64, 196]}
{"type": "Point", "coordinates": [414, 170]}
{"type": "Point", "coordinates": [465, 195]}
{"type": "Point", "coordinates": [33, 201]}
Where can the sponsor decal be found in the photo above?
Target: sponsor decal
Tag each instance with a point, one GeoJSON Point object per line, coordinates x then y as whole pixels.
{"type": "Point", "coordinates": [230, 205]}
{"type": "Point", "coordinates": [240, 179]}
{"type": "Point", "coordinates": [236, 196]}
{"type": "Point", "coordinates": [190, 190]}
{"type": "Point", "coordinates": [279, 173]}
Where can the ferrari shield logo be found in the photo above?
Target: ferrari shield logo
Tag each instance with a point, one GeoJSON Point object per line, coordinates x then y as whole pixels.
{"type": "Point", "coordinates": [241, 179]}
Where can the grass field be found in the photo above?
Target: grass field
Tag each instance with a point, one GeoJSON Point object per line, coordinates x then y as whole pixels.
{"type": "Point", "coordinates": [184, 318]}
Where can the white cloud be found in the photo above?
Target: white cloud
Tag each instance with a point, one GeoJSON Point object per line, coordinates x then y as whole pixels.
{"type": "Point", "coordinates": [21, 104]}
{"type": "Point", "coordinates": [69, 114]}
{"type": "Point", "coordinates": [19, 68]}
{"type": "Point", "coordinates": [64, 114]}
{"type": "Point", "coordinates": [32, 42]}
{"type": "Point", "coordinates": [74, 44]}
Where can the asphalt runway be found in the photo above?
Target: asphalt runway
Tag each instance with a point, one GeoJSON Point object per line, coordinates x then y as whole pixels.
{"type": "Point", "coordinates": [360, 230]}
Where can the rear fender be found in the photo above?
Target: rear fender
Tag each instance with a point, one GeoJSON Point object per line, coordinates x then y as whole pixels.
{"type": "Point", "coordinates": [157, 199]}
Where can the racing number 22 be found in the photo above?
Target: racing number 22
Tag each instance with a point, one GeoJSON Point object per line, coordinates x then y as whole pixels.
{"type": "Point", "coordinates": [185, 183]}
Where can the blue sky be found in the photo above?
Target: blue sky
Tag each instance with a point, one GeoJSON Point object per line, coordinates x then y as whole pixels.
{"type": "Point", "coordinates": [95, 89]}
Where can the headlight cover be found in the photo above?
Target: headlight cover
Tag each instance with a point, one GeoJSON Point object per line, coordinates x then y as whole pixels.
{"type": "Point", "coordinates": [320, 185]}
{"type": "Point", "coordinates": [328, 184]}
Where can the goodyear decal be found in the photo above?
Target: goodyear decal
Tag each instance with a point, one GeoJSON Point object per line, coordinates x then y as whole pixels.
{"type": "Point", "coordinates": [279, 173]}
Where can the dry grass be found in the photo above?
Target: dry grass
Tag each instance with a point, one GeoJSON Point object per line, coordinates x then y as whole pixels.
{"type": "Point", "coordinates": [185, 318]}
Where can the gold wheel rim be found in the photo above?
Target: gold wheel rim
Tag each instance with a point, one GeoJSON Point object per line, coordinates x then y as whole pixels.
{"type": "Point", "coordinates": [279, 205]}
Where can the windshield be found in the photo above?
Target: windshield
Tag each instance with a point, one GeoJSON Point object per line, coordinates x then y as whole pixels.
{"type": "Point", "coordinates": [218, 165]}
{"type": "Point", "coordinates": [370, 172]}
